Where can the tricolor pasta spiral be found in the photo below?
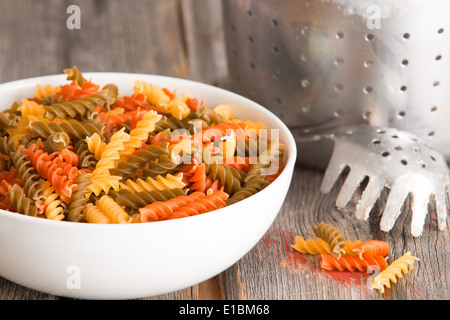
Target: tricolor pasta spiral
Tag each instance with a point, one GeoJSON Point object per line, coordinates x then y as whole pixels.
{"type": "Point", "coordinates": [83, 153]}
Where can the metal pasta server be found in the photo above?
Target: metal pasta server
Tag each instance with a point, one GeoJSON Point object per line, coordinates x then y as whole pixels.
{"type": "Point", "coordinates": [359, 67]}
{"type": "Point", "coordinates": [390, 158]}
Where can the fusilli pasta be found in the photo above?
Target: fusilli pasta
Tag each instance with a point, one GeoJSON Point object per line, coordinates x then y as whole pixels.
{"type": "Point", "coordinates": [320, 246]}
{"type": "Point", "coordinates": [395, 270]}
{"type": "Point", "coordinates": [373, 248]}
{"type": "Point", "coordinates": [332, 237]}
{"type": "Point", "coordinates": [83, 153]}
{"type": "Point", "coordinates": [352, 263]}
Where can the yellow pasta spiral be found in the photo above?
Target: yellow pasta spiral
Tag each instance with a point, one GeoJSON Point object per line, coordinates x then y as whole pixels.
{"type": "Point", "coordinates": [159, 183]}
{"type": "Point", "coordinates": [140, 133]}
{"type": "Point", "coordinates": [112, 210]}
{"type": "Point", "coordinates": [395, 270]}
{"type": "Point", "coordinates": [42, 92]}
{"type": "Point", "coordinates": [53, 210]}
{"type": "Point", "coordinates": [95, 215]}
{"type": "Point", "coordinates": [101, 177]}
{"type": "Point", "coordinates": [114, 112]}
{"type": "Point", "coordinates": [52, 203]}
{"type": "Point", "coordinates": [31, 111]}
{"type": "Point", "coordinates": [103, 181]}
{"type": "Point", "coordinates": [29, 107]}
{"type": "Point", "coordinates": [253, 127]}
{"type": "Point", "coordinates": [96, 145]}
{"type": "Point", "coordinates": [181, 151]}
{"type": "Point", "coordinates": [179, 109]}
{"type": "Point", "coordinates": [311, 246]}
{"type": "Point", "coordinates": [154, 94]}
{"type": "Point", "coordinates": [320, 246]}
{"type": "Point", "coordinates": [228, 145]}
{"type": "Point", "coordinates": [225, 111]}
{"type": "Point", "coordinates": [112, 149]}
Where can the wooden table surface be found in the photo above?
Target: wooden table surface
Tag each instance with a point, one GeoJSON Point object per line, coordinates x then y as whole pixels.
{"type": "Point", "coordinates": [184, 38]}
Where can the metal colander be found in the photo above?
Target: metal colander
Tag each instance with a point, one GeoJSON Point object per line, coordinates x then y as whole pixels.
{"type": "Point", "coordinates": [321, 62]}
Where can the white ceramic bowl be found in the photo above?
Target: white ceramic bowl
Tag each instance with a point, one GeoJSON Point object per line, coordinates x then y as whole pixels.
{"type": "Point", "coordinates": [91, 261]}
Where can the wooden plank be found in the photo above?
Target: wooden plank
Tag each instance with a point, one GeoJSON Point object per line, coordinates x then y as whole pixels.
{"type": "Point", "coordinates": [141, 36]}
{"type": "Point", "coordinates": [30, 38]}
{"type": "Point", "coordinates": [203, 29]}
{"type": "Point", "coordinates": [12, 291]}
{"type": "Point", "coordinates": [272, 270]}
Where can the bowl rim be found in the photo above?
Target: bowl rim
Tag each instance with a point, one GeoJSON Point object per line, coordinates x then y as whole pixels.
{"type": "Point", "coordinates": [290, 144]}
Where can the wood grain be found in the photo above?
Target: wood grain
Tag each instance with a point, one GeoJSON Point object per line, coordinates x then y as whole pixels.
{"type": "Point", "coordinates": [184, 38]}
{"type": "Point", "coordinates": [204, 36]}
{"type": "Point", "coordinates": [273, 270]}
{"type": "Point", "coordinates": [144, 37]}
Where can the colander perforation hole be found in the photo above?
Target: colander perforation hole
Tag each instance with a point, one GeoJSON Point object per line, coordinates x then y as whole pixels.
{"type": "Point", "coordinates": [381, 131]}
{"type": "Point", "coordinates": [339, 35]}
{"type": "Point", "coordinates": [250, 39]}
{"type": "Point", "coordinates": [405, 62]}
{"type": "Point", "coordinates": [376, 141]}
{"type": "Point", "coordinates": [367, 89]}
{"type": "Point", "coordinates": [274, 23]}
{"type": "Point", "coordinates": [369, 37]}
{"type": "Point", "coordinates": [404, 162]}
{"type": "Point", "coordinates": [406, 36]}
{"type": "Point", "coordinates": [398, 148]}
{"type": "Point", "coordinates": [441, 30]}
{"type": "Point", "coordinates": [385, 154]}
{"type": "Point", "coordinates": [338, 61]}
{"type": "Point", "coordinates": [252, 65]}
{"type": "Point", "coordinates": [304, 83]}
{"type": "Point", "coordinates": [436, 83]}
{"type": "Point", "coordinates": [438, 57]}
{"type": "Point", "coordinates": [305, 30]}
{"type": "Point", "coordinates": [250, 13]}
{"type": "Point", "coordinates": [433, 109]}
{"type": "Point", "coordinates": [338, 113]}
{"type": "Point", "coordinates": [366, 115]}
{"type": "Point", "coordinates": [403, 88]}
{"type": "Point", "coordinates": [338, 87]}
{"type": "Point", "coordinates": [276, 74]}
{"type": "Point", "coordinates": [431, 133]}
{"type": "Point", "coordinates": [278, 100]}
{"type": "Point", "coordinates": [306, 108]}
{"type": "Point", "coordinates": [401, 114]}
{"type": "Point", "coordinates": [275, 50]}
{"type": "Point", "coordinates": [368, 63]}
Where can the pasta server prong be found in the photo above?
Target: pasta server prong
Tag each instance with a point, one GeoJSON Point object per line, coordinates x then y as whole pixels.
{"type": "Point", "coordinates": [393, 159]}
